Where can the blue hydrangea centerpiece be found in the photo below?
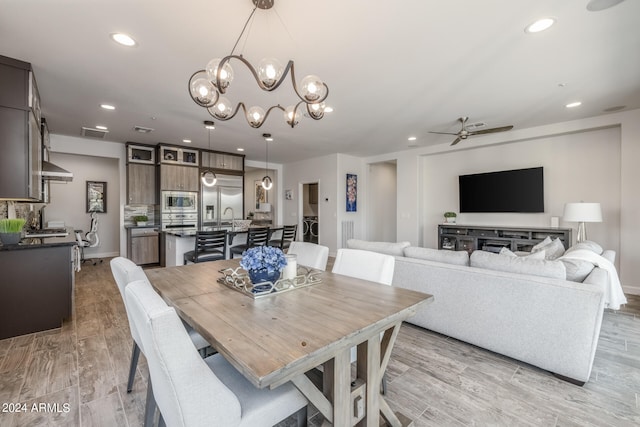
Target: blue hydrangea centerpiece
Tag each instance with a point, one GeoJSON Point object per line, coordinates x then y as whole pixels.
{"type": "Point", "coordinates": [262, 258]}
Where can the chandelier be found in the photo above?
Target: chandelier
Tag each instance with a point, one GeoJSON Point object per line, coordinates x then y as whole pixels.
{"type": "Point", "coordinates": [207, 86]}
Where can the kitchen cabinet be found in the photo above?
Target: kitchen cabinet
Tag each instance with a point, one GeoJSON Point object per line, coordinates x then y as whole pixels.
{"type": "Point", "coordinates": [144, 246]}
{"type": "Point", "coordinates": [141, 184]}
{"type": "Point", "coordinates": [37, 286]}
{"type": "Point", "coordinates": [178, 155]}
{"type": "Point", "coordinates": [21, 160]}
{"type": "Point", "coordinates": [224, 161]}
{"type": "Point", "coordinates": [181, 178]}
{"type": "Point", "coordinates": [145, 154]}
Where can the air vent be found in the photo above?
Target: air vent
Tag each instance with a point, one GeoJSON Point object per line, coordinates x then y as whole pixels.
{"type": "Point", "coordinates": [142, 129]}
{"type": "Point", "coordinates": [476, 125]}
{"type": "Point", "coordinates": [94, 133]}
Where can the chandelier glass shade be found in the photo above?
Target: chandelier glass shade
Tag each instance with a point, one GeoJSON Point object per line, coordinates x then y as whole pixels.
{"type": "Point", "coordinates": [207, 86]}
{"type": "Point", "coordinates": [208, 177]}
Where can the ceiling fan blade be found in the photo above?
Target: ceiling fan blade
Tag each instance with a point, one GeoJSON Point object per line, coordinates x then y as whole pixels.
{"type": "Point", "coordinates": [445, 133]}
{"type": "Point", "coordinates": [456, 141]}
{"type": "Point", "coordinates": [492, 130]}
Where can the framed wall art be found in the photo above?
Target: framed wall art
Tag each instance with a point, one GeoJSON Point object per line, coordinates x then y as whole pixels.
{"type": "Point", "coordinates": [261, 194]}
{"type": "Point", "coordinates": [97, 196]}
{"type": "Point", "coordinates": [352, 192]}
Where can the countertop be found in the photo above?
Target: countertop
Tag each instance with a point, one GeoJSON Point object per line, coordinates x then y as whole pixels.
{"type": "Point", "coordinates": [128, 226]}
{"type": "Point", "coordinates": [42, 242]}
{"type": "Point", "coordinates": [231, 233]}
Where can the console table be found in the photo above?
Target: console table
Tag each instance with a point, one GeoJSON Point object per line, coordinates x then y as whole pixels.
{"type": "Point", "coordinates": [491, 238]}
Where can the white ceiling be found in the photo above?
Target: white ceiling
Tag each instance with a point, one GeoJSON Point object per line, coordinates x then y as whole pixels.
{"type": "Point", "coordinates": [394, 69]}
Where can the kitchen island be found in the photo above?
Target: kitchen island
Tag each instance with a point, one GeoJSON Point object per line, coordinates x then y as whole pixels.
{"type": "Point", "coordinates": [36, 287]}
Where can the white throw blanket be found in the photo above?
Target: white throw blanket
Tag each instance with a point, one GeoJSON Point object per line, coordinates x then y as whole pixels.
{"type": "Point", "coordinates": [614, 296]}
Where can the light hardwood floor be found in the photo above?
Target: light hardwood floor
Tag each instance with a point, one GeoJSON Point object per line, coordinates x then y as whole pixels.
{"type": "Point", "coordinates": [80, 371]}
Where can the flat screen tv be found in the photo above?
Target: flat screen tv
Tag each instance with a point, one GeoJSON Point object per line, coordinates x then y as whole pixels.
{"type": "Point", "coordinates": [519, 190]}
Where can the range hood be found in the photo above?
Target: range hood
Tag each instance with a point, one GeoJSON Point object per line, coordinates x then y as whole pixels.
{"type": "Point", "coordinates": [52, 172]}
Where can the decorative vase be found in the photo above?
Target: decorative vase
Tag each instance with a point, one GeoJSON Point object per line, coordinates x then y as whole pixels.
{"type": "Point", "coordinates": [10, 238]}
{"type": "Point", "coordinates": [259, 276]}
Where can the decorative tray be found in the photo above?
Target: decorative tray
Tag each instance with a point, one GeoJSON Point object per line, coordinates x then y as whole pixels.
{"type": "Point", "coordinates": [238, 279]}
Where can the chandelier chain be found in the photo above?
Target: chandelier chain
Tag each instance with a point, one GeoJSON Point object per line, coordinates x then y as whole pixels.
{"type": "Point", "coordinates": [243, 29]}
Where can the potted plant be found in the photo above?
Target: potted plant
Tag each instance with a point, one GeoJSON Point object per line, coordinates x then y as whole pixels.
{"type": "Point", "coordinates": [141, 219]}
{"type": "Point", "coordinates": [263, 263]}
{"type": "Point", "coordinates": [11, 230]}
{"type": "Point", "coordinates": [450, 217]}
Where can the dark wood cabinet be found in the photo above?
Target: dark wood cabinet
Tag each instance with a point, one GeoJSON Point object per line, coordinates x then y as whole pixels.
{"type": "Point", "coordinates": [21, 159]}
{"type": "Point", "coordinates": [35, 290]}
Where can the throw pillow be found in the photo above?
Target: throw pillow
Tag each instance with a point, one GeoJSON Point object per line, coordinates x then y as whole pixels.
{"type": "Point", "coordinates": [553, 248]}
{"type": "Point", "coordinates": [589, 245]}
{"type": "Point", "coordinates": [388, 248]}
{"type": "Point", "coordinates": [529, 255]}
{"type": "Point", "coordinates": [445, 256]}
{"type": "Point", "coordinates": [577, 269]}
{"type": "Point", "coordinates": [520, 265]}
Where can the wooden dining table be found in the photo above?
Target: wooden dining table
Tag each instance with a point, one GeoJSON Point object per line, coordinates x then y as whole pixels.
{"type": "Point", "coordinates": [278, 338]}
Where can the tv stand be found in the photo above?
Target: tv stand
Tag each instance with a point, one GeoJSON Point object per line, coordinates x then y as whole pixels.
{"type": "Point", "coordinates": [491, 238]}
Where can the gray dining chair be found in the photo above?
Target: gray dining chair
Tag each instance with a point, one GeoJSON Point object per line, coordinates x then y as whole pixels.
{"type": "Point", "coordinates": [194, 392]}
{"type": "Point", "coordinates": [125, 271]}
{"type": "Point", "coordinates": [310, 254]}
{"type": "Point", "coordinates": [366, 265]}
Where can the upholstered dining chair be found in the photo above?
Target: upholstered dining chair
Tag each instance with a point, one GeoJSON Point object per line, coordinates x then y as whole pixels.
{"type": "Point", "coordinates": [125, 271]}
{"type": "Point", "coordinates": [256, 236]}
{"type": "Point", "coordinates": [209, 246]}
{"type": "Point", "coordinates": [310, 254]}
{"type": "Point", "coordinates": [366, 265]}
{"type": "Point", "coordinates": [287, 236]}
{"type": "Point", "coordinates": [194, 392]}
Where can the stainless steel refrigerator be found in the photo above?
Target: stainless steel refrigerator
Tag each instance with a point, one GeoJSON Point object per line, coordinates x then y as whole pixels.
{"type": "Point", "coordinates": [222, 202]}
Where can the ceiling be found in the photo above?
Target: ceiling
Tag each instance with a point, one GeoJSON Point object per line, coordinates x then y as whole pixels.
{"type": "Point", "coordinates": [394, 69]}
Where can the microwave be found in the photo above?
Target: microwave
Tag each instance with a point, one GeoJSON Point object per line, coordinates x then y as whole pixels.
{"type": "Point", "coordinates": [179, 201]}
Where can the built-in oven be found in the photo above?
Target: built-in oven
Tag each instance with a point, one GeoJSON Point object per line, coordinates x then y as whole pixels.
{"type": "Point", "coordinates": [179, 201]}
{"type": "Point", "coordinates": [186, 220]}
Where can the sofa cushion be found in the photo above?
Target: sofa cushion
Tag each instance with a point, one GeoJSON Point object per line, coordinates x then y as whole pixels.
{"type": "Point", "coordinates": [577, 269]}
{"type": "Point", "coordinates": [389, 248]}
{"type": "Point", "coordinates": [528, 255]}
{"type": "Point", "coordinates": [438, 255]}
{"type": "Point", "coordinates": [589, 245]}
{"type": "Point", "coordinates": [552, 248]}
{"type": "Point", "coordinates": [521, 265]}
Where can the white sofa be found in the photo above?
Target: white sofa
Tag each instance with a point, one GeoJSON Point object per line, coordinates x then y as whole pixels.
{"type": "Point", "coordinates": [548, 322]}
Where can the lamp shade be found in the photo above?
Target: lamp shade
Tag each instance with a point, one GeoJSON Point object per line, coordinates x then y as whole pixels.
{"type": "Point", "coordinates": [582, 212]}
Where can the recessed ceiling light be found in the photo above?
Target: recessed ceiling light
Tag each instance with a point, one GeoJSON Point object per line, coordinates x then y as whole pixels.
{"type": "Point", "coordinates": [107, 107]}
{"type": "Point", "coordinates": [267, 137]}
{"type": "Point", "coordinates": [240, 149]}
{"type": "Point", "coordinates": [328, 109]}
{"type": "Point", "coordinates": [540, 25]}
{"type": "Point", "coordinates": [573, 104]}
{"type": "Point", "coordinates": [412, 138]}
{"type": "Point", "coordinates": [186, 141]}
{"type": "Point", "coordinates": [123, 39]}
{"type": "Point", "coordinates": [208, 124]}
{"type": "Point", "coordinates": [101, 127]}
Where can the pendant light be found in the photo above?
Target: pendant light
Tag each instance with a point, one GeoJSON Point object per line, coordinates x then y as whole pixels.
{"type": "Point", "coordinates": [208, 177]}
{"type": "Point", "coordinates": [267, 182]}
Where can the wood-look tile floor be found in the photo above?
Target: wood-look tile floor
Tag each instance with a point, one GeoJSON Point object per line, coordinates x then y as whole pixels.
{"type": "Point", "coordinates": [76, 375]}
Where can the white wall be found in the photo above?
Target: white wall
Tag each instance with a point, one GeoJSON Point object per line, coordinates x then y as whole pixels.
{"type": "Point", "coordinates": [89, 159]}
{"type": "Point", "coordinates": [576, 166]}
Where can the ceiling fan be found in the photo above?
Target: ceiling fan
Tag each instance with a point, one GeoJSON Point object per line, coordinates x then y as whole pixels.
{"type": "Point", "coordinates": [463, 133]}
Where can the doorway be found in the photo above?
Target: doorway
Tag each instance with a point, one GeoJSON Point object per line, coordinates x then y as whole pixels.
{"type": "Point", "coordinates": [382, 218]}
{"type": "Point", "coordinates": [310, 213]}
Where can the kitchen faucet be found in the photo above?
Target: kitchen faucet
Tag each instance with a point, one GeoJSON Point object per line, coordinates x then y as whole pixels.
{"type": "Point", "coordinates": [233, 227]}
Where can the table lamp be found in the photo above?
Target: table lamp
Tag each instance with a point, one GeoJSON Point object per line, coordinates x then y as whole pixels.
{"type": "Point", "coordinates": [582, 212]}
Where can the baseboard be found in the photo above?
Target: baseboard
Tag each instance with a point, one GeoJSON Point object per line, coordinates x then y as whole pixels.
{"type": "Point", "coordinates": [101, 255]}
{"type": "Point", "coordinates": [634, 290]}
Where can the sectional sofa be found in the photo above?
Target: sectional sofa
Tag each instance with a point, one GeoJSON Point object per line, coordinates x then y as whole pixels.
{"type": "Point", "coordinates": [522, 308]}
